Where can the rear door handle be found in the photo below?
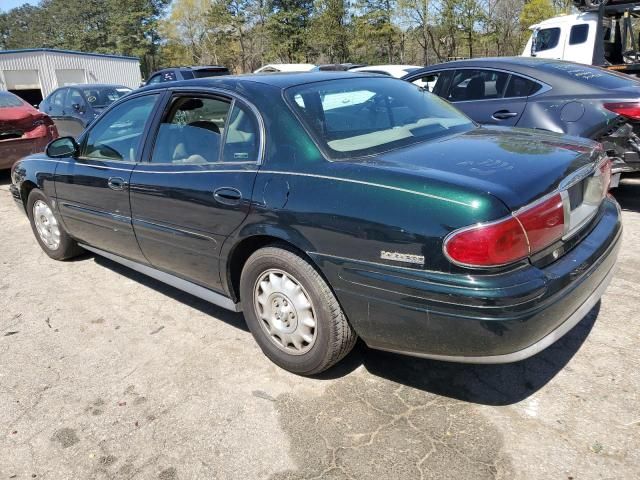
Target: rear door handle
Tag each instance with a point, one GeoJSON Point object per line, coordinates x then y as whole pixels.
{"type": "Point", "coordinates": [227, 195]}
{"type": "Point", "coordinates": [117, 183]}
{"type": "Point", "coordinates": [504, 115]}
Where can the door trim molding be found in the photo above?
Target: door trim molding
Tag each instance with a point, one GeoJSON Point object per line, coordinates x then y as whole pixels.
{"type": "Point", "coordinates": [177, 282]}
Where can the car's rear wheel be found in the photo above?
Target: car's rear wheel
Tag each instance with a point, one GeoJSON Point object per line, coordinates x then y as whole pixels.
{"type": "Point", "coordinates": [292, 313]}
{"type": "Point", "coordinates": [49, 233]}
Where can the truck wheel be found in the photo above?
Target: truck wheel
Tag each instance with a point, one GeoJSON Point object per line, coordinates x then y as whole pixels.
{"type": "Point", "coordinates": [48, 231]}
{"type": "Point", "coordinates": [292, 313]}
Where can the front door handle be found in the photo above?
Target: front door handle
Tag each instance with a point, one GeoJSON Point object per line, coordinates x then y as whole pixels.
{"type": "Point", "coordinates": [117, 183]}
{"type": "Point", "coordinates": [227, 195]}
{"type": "Point", "coordinates": [504, 115]}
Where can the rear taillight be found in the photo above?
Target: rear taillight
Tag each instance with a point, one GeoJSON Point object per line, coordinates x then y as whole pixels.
{"type": "Point", "coordinates": [516, 237]}
{"type": "Point", "coordinates": [543, 223]}
{"type": "Point", "coordinates": [489, 245]}
{"type": "Point", "coordinates": [629, 110]}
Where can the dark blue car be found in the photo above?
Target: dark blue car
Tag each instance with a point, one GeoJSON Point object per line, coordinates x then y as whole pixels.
{"type": "Point", "coordinates": [73, 108]}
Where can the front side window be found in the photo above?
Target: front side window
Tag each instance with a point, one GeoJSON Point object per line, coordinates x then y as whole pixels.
{"type": "Point", "coordinates": [365, 116]}
{"type": "Point", "coordinates": [74, 98]}
{"type": "Point", "coordinates": [117, 135]}
{"type": "Point", "coordinates": [155, 79]}
{"type": "Point", "coordinates": [477, 85]}
{"type": "Point", "coordinates": [547, 39]}
{"type": "Point", "coordinates": [57, 99]}
{"type": "Point", "coordinates": [201, 130]}
{"type": "Point", "coordinates": [430, 81]}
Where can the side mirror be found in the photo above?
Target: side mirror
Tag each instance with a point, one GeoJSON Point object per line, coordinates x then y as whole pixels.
{"type": "Point", "coordinates": [63, 147]}
{"type": "Point", "coordinates": [78, 108]}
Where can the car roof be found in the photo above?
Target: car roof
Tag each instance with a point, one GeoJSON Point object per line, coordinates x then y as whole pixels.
{"type": "Point", "coordinates": [528, 66]}
{"type": "Point", "coordinates": [98, 85]}
{"type": "Point", "coordinates": [281, 80]}
{"type": "Point", "coordinates": [193, 67]}
{"type": "Point", "coordinates": [566, 20]}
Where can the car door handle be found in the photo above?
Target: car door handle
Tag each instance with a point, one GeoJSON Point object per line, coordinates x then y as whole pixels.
{"type": "Point", "coordinates": [227, 195]}
{"type": "Point", "coordinates": [117, 183]}
{"type": "Point", "coordinates": [504, 115]}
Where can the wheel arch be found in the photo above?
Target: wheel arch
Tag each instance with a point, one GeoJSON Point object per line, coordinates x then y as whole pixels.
{"type": "Point", "coordinates": [242, 249]}
{"type": "Point", "coordinates": [25, 189]}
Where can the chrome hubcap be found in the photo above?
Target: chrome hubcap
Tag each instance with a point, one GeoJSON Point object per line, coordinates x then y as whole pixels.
{"type": "Point", "coordinates": [46, 225]}
{"type": "Point", "coordinates": [285, 312]}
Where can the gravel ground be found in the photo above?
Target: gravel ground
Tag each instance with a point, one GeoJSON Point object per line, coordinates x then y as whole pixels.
{"type": "Point", "coordinates": [106, 374]}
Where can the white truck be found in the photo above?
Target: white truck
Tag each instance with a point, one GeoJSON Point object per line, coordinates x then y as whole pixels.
{"type": "Point", "coordinates": [602, 34]}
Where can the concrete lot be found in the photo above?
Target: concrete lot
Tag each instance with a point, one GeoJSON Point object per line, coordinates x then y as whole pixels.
{"type": "Point", "coordinates": [107, 374]}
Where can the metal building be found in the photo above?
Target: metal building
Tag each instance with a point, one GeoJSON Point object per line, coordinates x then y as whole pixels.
{"type": "Point", "coordinates": [34, 73]}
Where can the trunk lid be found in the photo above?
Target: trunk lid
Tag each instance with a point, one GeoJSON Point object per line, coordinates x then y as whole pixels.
{"type": "Point", "coordinates": [15, 121]}
{"type": "Point", "coordinates": [517, 166]}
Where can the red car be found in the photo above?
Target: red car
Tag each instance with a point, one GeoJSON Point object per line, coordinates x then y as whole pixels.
{"type": "Point", "coordinates": [23, 129]}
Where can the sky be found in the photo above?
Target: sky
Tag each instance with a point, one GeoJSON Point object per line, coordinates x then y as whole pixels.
{"type": "Point", "coordinates": [9, 4]}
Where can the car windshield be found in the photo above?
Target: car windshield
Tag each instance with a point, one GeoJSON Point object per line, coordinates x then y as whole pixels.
{"type": "Point", "coordinates": [100, 97]}
{"type": "Point", "coordinates": [364, 116]}
{"type": "Point", "coordinates": [9, 100]}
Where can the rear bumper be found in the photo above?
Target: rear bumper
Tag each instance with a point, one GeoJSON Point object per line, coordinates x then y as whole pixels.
{"type": "Point", "coordinates": [496, 318]}
{"type": "Point", "coordinates": [13, 150]}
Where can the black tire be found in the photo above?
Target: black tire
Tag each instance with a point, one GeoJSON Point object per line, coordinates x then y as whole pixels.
{"type": "Point", "coordinates": [333, 336]}
{"type": "Point", "coordinates": [67, 247]}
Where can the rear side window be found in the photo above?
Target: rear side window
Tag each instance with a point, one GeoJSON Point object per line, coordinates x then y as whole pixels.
{"type": "Point", "coordinates": [200, 130]}
{"type": "Point", "coordinates": [477, 85]}
{"type": "Point", "coordinates": [547, 39]}
{"type": "Point", "coordinates": [521, 87]}
{"type": "Point", "coordinates": [186, 74]}
{"type": "Point", "coordinates": [579, 34]}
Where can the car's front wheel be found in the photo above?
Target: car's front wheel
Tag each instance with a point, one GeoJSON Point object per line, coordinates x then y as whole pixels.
{"type": "Point", "coordinates": [49, 233]}
{"type": "Point", "coordinates": [292, 313]}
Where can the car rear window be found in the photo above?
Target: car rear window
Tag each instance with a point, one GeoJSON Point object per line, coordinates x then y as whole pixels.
{"type": "Point", "coordinates": [364, 116]}
{"type": "Point", "coordinates": [10, 100]}
{"type": "Point", "coordinates": [595, 76]}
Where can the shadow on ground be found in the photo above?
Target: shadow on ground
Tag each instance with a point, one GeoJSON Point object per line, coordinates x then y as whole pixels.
{"type": "Point", "coordinates": [482, 384]}
{"type": "Point", "coordinates": [628, 193]}
{"type": "Point", "coordinates": [5, 177]}
{"type": "Point", "coordinates": [231, 318]}
{"type": "Point", "coordinates": [504, 384]}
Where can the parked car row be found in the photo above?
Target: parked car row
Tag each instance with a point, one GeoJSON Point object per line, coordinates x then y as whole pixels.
{"type": "Point", "coordinates": [332, 206]}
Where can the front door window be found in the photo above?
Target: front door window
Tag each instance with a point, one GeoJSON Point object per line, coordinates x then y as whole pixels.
{"type": "Point", "coordinates": [117, 135]}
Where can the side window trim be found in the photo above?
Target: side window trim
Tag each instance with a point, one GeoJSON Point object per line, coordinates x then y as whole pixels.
{"type": "Point", "coordinates": [154, 127]}
{"type": "Point", "coordinates": [82, 142]}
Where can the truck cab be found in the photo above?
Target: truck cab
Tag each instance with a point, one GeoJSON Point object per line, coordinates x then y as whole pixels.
{"type": "Point", "coordinates": [601, 35]}
{"type": "Point", "coordinates": [567, 37]}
